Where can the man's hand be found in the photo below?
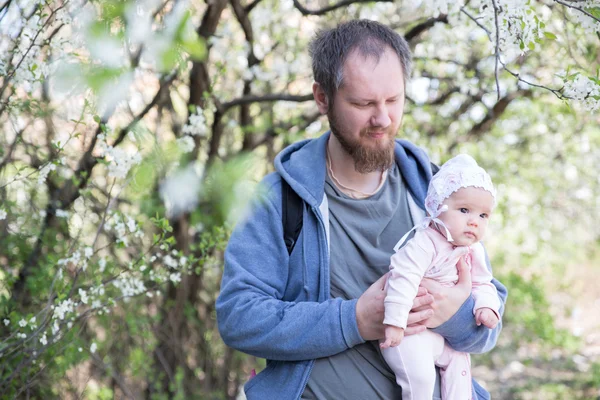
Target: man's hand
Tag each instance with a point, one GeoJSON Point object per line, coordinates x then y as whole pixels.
{"type": "Point", "coordinates": [370, 311]}
{"type": "Point", "coordinates": [485, 316]}
{"type": "Point", "coordinates": [393, 336]}
{"type": "Point", "coordinates": [447, 300]}
{"type": "Point", "coordinates": [420, 312]}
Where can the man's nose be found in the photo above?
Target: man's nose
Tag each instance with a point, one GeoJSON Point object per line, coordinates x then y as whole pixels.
{"type": "Point", "coordinates": [381, 117]}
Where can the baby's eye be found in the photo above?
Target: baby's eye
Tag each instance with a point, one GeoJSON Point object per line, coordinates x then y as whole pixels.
{"type": "Point", "coordinates": [484, 215]}
{"type": "Point", "coordinates": [464, 210]}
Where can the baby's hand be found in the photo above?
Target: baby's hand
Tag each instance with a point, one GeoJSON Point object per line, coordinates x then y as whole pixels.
{"type": "Point", "coordinates": [393, 336]}
{"type": "Point", "coordinates": [486, 316]}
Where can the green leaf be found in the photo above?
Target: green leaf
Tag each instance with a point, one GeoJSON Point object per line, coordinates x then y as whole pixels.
{"type": "Point", "coordinates": [550, 35]}
{"type": "Point", "coordinates": [195, 47]}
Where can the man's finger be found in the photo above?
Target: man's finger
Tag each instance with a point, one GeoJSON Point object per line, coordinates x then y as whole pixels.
{"type": "Point", "coordinates": [414, 329]}
{"type": "Point", "coordinates": [416, 317]}
{"type": "Point", "coordinates": [431, 285]}
{"type": "Point", "coordinates": [421, 303]}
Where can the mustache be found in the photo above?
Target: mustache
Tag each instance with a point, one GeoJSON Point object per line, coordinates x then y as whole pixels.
{"type": "Point", "coordinates": [367, 131]}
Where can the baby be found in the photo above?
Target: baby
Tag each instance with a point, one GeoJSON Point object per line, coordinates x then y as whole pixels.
{"type": "Point", "coordinates": [459, 201]}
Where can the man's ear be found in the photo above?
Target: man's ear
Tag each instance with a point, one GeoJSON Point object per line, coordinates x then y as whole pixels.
{"type": "Point", "coordinates": [320, 98]}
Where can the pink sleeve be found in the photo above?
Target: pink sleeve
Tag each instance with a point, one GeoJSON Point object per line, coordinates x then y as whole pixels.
{"type": "Point", "coordinates": [407, 267]}
{"type": "Point", "coordinates": [484, 292]}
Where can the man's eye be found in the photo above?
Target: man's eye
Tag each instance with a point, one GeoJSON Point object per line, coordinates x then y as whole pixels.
{"type": "Point", "coordinates": [464, 210]}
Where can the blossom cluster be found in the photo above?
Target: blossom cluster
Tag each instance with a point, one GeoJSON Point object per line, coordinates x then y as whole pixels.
{"type": "Point", "coordinates": [123, 226]}
{"type": "Point", "coordinates": [589, 24]}
{"type": "Point", "coordinates": [120, 160]}
{"type": "Point", "coordinates": [195, 126]}
{"type": "Point", "coordinates": [584, 89]}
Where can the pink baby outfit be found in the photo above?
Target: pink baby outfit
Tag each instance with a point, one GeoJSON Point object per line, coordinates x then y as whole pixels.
{"type": "Point", "coordinates": [430, 255]}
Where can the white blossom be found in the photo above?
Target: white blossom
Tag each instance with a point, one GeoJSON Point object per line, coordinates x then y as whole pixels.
{"type": "Point", "coordinates": [102, 265]}
{"type": "Point", "coordinates": [2, 214]}
{"type": "Point", "coordinates": [175, 277]}
{"type": "Point", "coordinates": [437, 7]}
{"type": "Point", "coordinates": [196, 125]}
{"type": "Point", "coordinates": [585, 90]}
{"type": "Point", "coordinates": [131, 225]}
{"type": "Point", "coordinates": [63, 308]}
{"type": "Point", "coordinates": [120, 160]}
{"type": "Point", "coordinates": [6, 322]}
{"type": "Point", "coordinates": [314, 128]}
{"type": "Point", "coordinates": [180, 191]}
{"type": "Point", "coordinates": [170, 261]}
{"type": "Point", "coordinates": [83, 296]}
{"type": "Point", "coordinates": [55, 328]}
{"type": "Point", "coordinates": [186, 144]}
{"type": "Point", "coordinates": [88, 252]}
{"type": "Point", "coordinates": [61, 213]}
{"type": "Point", "coordinates": [22, 323]}
{"type": "Point", "coordinates": [129, 285]}
{"type": "Point", "coordinates": [44, 171]}
{"type": "Point", "coordinates": [44, 340]}
{"type": "Point", "coordinates": [93, 348]}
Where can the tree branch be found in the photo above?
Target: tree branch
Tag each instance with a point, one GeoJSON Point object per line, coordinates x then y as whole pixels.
{"type": "Point", "coordinates": [444, 96]}
{"type": "Point", "coordinates": [495, 112]}
{"type": "Point", "coordinates": [422, 27]}
{"type": "Point", "coordinates": [578, 9]}
{"type": "Point", "coordinates": [497, 51]}
{"type": "Point", "coordinates": [266, 98]}
{"type": "Point", "coordinates": [12, 72]}
{"type": "Point", "coordinates": [343, 3]}
{"type": "Point", "coordinates": [556, 92]}
{"type": "Point", "coordinates": [487, 31]}
{"type": "Point", "coordinates": [251, 6]}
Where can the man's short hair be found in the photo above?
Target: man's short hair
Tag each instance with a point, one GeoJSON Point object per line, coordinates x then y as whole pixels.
{"type": "Point", "coordinates": [330, 48]}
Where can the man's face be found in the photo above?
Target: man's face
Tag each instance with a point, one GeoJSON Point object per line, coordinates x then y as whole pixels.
{"type": "Point", "coordinates": [367, 110]}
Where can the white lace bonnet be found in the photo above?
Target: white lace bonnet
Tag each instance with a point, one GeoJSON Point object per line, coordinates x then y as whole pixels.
{"type": "Point", "coordinates": [459, 172]}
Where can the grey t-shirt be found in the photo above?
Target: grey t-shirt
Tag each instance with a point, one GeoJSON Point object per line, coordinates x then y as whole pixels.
{"type": "Point", "coordinates": [362, 236]}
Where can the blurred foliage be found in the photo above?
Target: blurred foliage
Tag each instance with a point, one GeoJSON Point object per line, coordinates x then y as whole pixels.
{"type": "Point", "coordinates": [134, 133]}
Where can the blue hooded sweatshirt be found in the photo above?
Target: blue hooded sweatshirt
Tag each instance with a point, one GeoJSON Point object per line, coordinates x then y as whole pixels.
{"type": "Point", "coordinates": [278, 307]}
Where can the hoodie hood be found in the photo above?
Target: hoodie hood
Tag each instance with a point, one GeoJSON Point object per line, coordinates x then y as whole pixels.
{"type": "Point", "coordinates": [303, 166]}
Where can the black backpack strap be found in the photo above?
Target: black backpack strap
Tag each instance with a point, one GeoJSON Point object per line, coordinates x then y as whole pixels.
{"type": "Point", "coordinates": [291, 215]}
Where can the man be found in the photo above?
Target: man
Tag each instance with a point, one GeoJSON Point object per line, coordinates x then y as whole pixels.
{"type": "Point", "coordinates": [316, 314]}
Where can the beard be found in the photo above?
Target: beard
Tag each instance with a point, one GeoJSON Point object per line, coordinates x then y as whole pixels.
{"type": "Point", "coordinates": [366, 158]}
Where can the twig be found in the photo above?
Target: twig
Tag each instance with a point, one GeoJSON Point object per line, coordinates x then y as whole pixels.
{"type": "Point", "coordinates": [479, 24]}
{"type": "Point", "coordinates": [556, 92]}
{"type": "Point", "coordinates": [343, 3]}
{"type": "Point", "coordinates": [497, 55]}
{"type": "Point", "coordinates": [423, 26]}
{"type": "Point", "coordinates": [578, 9]}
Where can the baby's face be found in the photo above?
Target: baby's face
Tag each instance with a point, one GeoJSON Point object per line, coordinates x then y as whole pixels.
{"type": "Point", "coordinates": [468, 213]}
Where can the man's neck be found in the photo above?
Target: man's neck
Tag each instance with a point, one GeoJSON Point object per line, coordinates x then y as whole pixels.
{"type": "Point", "coordinates": [342, 166]}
